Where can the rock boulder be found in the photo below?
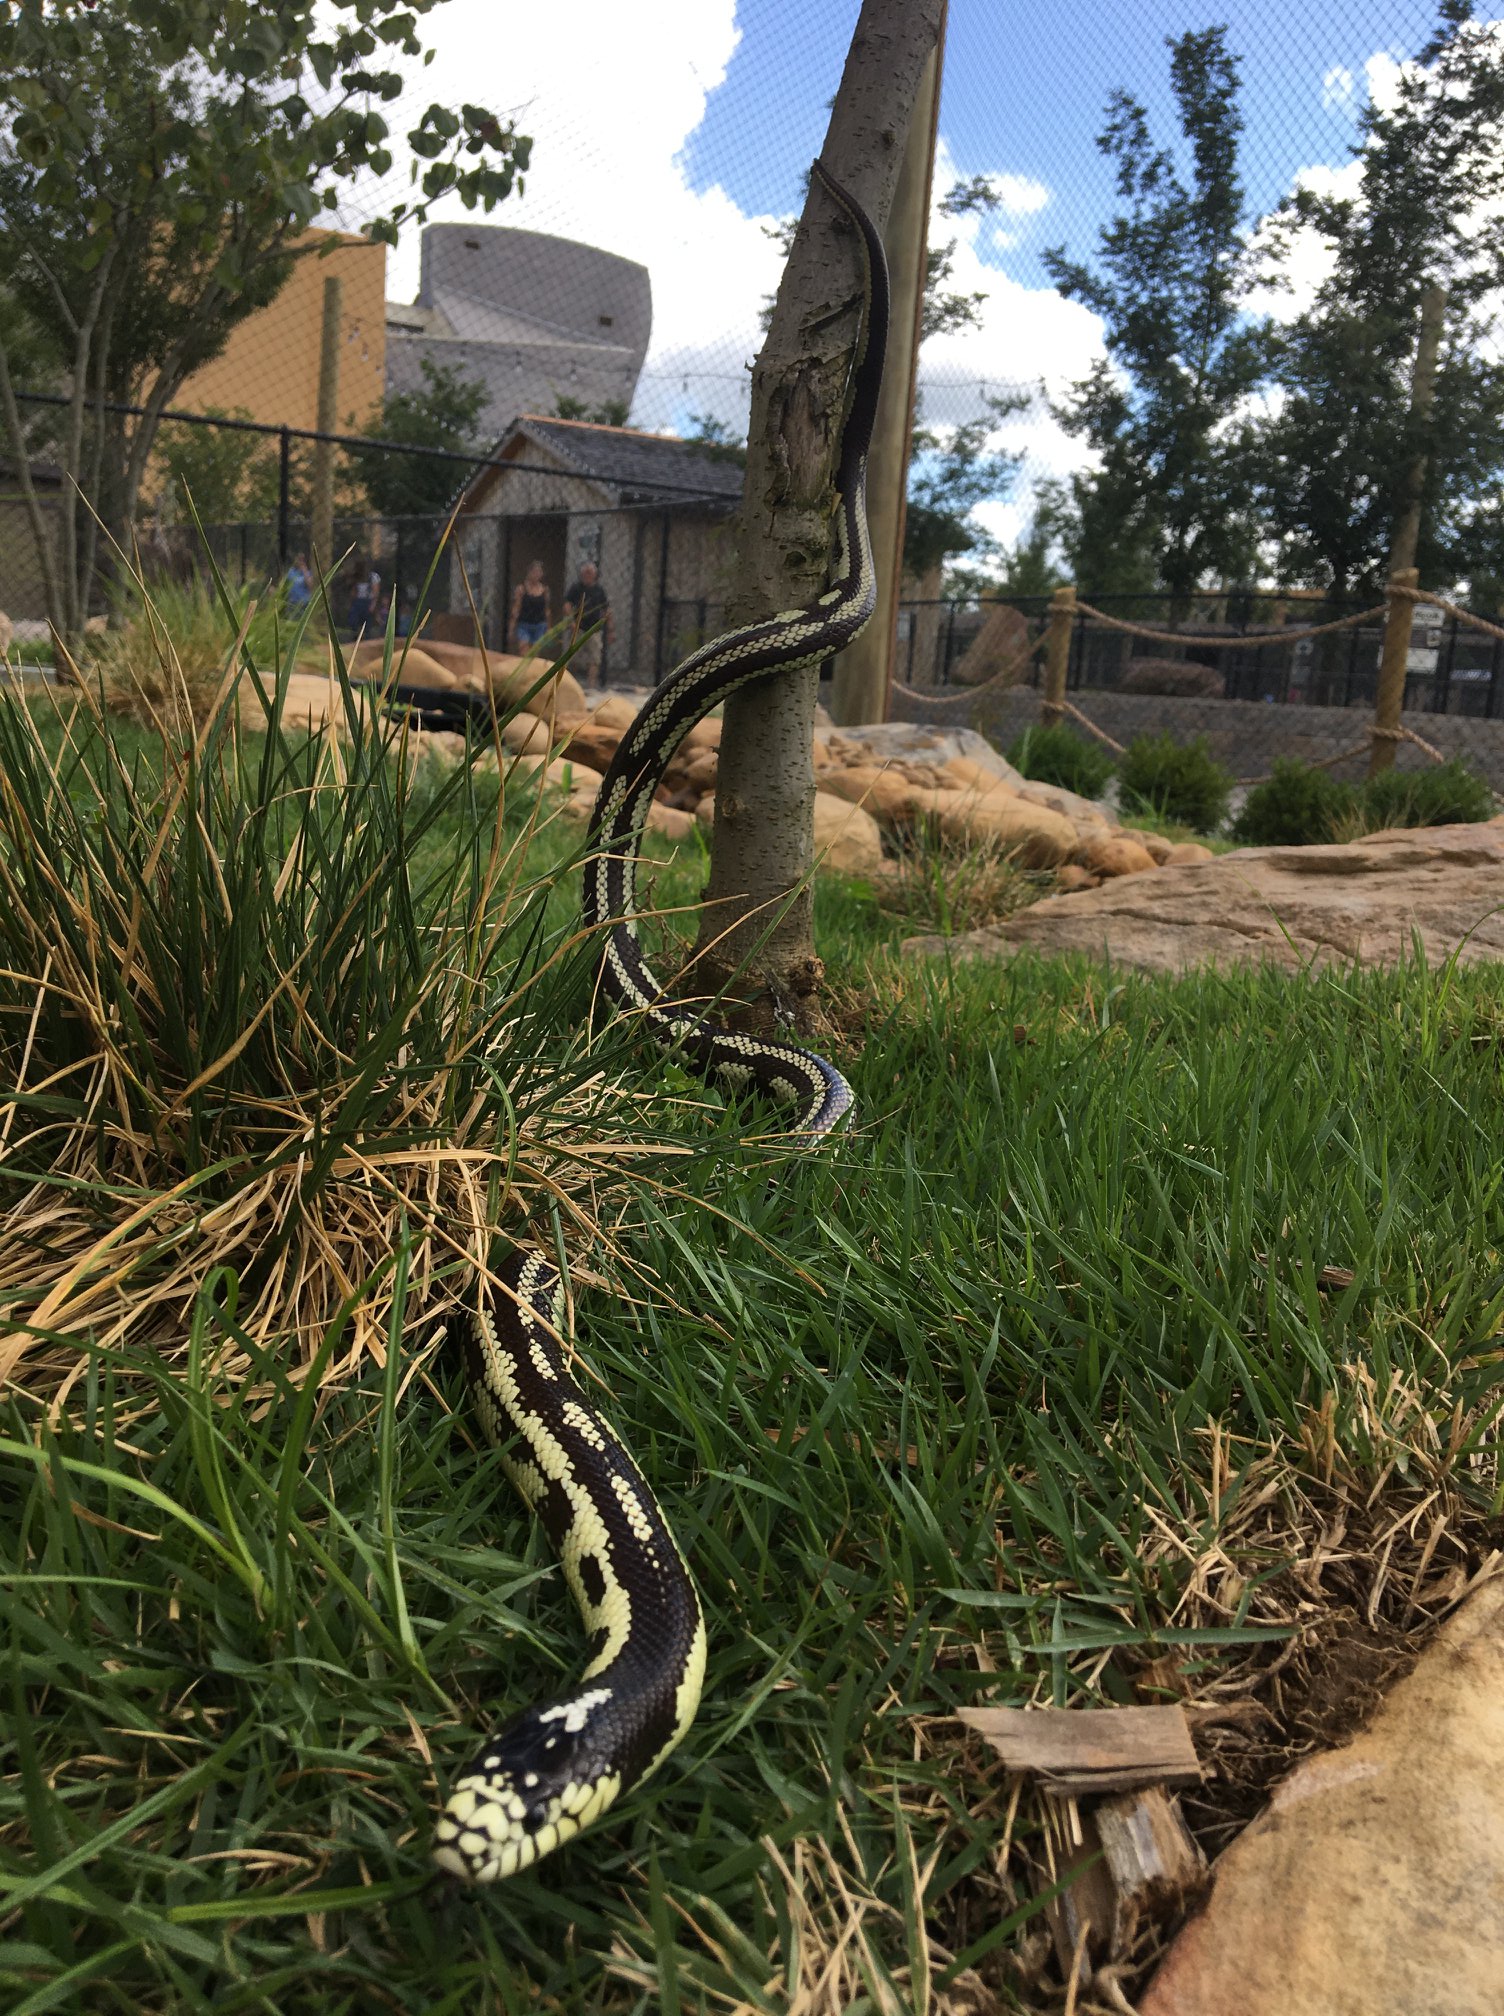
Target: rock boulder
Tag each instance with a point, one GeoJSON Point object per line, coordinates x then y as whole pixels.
{"type": "Point", "coordinates": [1373, 1884]}
{"type": "Point", "coordinates": [1287, 906]}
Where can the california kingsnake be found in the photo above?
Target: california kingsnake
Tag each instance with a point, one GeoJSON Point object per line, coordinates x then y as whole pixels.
{"type": "Point", "coordinates": [559, 1766]}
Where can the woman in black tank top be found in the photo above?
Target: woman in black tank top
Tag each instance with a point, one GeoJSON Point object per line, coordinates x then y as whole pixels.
{"type": "Point", "coordinates": [529, 618]}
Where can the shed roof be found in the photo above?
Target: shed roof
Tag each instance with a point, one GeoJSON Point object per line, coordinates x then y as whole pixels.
{"type": "Point", "coordinates": [635, 465]}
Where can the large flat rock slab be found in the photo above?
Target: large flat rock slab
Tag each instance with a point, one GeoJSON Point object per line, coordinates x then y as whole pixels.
{"type": "Point", "coordinates": [1366, 901]}
{"type": "Point", "coordinates": [1373, 1885]}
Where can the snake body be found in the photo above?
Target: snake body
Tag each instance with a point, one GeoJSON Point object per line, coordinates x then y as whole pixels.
{"type": "Point", "coordinates": [560, 1764]}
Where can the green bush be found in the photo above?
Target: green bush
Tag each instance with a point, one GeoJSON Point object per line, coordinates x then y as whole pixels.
{"type": "Point", "coordinates": [1450, 795]}
{"type": "Point", "coordinates": [1296, 807]}
{"type": "Point", "coordinates": [1056, 755]}
{"type": "Point", "coordinates": [1180, 782]}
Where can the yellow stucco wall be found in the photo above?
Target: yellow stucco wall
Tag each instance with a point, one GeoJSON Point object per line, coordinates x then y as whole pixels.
{"type": "Point", "coordinates": [270, 366]}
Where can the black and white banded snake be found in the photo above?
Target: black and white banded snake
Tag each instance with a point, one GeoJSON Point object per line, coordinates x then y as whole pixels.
{"type": "Point", "coordinates": [560, 1764]}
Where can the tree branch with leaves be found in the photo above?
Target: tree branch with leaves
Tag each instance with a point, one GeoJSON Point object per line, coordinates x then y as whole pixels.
{"type": "Point", "coordinates": [159, 169]}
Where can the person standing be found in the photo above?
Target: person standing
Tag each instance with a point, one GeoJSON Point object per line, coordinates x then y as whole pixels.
{"type": "Point", "coordinates": [587, 616]}
{"type": "Point", "coordinates": [299, 582]}
{"type": "Point", "coordinates": [529, 613]}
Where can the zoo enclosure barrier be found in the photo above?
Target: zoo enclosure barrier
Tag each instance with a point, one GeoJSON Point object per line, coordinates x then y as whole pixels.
{"type": "Point", "coordinates": [1282, 687]}
{"type": "Point", "coordinates": [655, 541]}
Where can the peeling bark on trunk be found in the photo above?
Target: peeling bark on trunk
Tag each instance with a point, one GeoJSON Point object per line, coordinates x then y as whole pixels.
{"type": "Point", "coordinates": [756, 940]}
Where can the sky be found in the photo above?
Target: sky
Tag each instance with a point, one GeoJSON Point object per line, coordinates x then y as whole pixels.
{"type": "Point", "coordinates": [676, 131]}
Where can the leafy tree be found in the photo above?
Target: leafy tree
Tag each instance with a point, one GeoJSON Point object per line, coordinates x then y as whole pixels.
{"type": "Point", "coordinates": [231, 476]}
{"type": "Point", "coordinates": [443, 413]}
{"type": "Point", "coordinates": [719, 442]}
{"type": "Point", "coordinates": [1336, 453]}
{"type": "Point", "coordinates": [950, 475]}
{"type": "Point", "coordinates": [1172, 492]}
{"type": "Point", "coordinates": [610, 412]}
{"type": "Point", "coordinates": [159, 166]}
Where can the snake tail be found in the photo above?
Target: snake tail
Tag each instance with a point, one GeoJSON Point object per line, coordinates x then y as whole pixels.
{"type": "Point", "coordinates": [563, 1762]}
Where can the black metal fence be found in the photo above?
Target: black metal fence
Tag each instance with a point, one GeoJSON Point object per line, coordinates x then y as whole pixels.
{"type": "Point", "coordinates": [1452, 668]}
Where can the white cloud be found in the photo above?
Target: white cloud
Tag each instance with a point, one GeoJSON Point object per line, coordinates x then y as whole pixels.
{"type": "Point", "coordinates": [612, 108]}
{"type": "Point", "coordinates": [1339, 89]}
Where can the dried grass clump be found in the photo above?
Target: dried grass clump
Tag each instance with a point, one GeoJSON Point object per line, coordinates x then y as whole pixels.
{"type": "Point", "coordinates": [162, 659]}
{"type": "Point", "coordinates": [271, 1012]}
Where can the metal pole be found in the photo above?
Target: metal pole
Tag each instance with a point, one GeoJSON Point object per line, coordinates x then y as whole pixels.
{"type": "Point", "coordinates": [323, 454]}
{"type": "Point", "coordinates": [1442, 693]}
{"type": "Point", "coordinates": [662, 598]}
{"type": "Point", "coordinates": [284, 497]}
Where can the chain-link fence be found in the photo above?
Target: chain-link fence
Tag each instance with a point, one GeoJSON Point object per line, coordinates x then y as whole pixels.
{"type": "Point", "coordinates": [568, 377]}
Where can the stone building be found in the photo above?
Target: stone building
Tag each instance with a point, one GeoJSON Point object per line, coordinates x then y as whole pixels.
{"type": "Point", "coordinates": [532, 317]}
{"type": "Point", "coordinates": [650, 510]}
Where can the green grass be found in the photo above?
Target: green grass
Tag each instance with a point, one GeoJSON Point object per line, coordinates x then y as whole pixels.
{"type": "Point", "coordinates": [932, 1415]}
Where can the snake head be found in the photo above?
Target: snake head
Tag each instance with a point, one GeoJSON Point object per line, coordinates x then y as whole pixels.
{"type": "Point", "coordinates": [532, 1788]}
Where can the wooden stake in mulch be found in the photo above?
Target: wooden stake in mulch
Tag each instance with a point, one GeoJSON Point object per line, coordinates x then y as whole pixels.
{"type": "Point", "coordinates": [1137, 1863]}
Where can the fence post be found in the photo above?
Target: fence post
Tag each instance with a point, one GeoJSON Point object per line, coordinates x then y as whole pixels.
{"type": "Point", "coordinates": [1393, 662]}
{"type": "Point", "coordinates": [323, 453]}
{"type": "Point", "coordinates": [284, 498]}
{"type": "Point", "coordinates": [1058, 652]}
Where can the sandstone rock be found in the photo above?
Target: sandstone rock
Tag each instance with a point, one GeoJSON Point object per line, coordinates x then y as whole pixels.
{"type": "Point", "coordinates": [1153, 844]}
{"type": "Point", "coordinates": [1003, 636]}
{"type": "Point", "coordinates": [907, 741]}
{"type": "Point", "coordinates": [311, 700]}
{"type": "Point", "coordinates": [1287, 906]}
{"type": "Point", "coordinates": [1030, 834]}
{"type": "Point", "coordinates": [967, 771]}
{"type": "Point", "coordinates": [612, 711]}
{"type": "Point", "coordinates": [705, 809]}
{"type": "Point", "coordinates": [704, 735]}
{"type": "Point", "coordinates": [1114, 854]}
{"type": "Point", "coordinates": [1176, 676]}
{"type": "Point", "coordinates": [525, 733]}
{"type": "Point", "coordinates": [672, 824]}
{"type": "Point", "coordinates": [1184, 852]}
{"type": "Point", "coordinates": [7, 633]}
{"type": "Point", "coordinates": [846, 838]}
{"type": "Point", "coordinates": [1072, 876]}
{"type": "Point", "coordinates": [885, 793]}
{"type": "Point", "coordinates": [700, 770]}
{"type": "Point", "coordinates": [592, 742]}
{"type": "Point", "coordinates": [1373, 1884]}
{"type": "Point", "coordinates": [411, 667]}
{"type": "Point", "coordinates": [439, 746]}
{"type": "Point", "coordinates": [561, 702]}
{"type": "Point", "coordinates": [464, 662]}
{"type": "Point", "coordinates": [1082, 812]}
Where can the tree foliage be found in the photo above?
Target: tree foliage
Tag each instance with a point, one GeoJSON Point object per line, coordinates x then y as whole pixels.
{"type": "Point", "coordinates": [1171, 492]}
{"type": "Point", "coordinates": [159, 165]}
{"type": "Point", "coordinates": [443, 413]}
{"type": "Point", "coordinates": [1336, 454]}
{"type": "Point", "coordinates": [231, 475]}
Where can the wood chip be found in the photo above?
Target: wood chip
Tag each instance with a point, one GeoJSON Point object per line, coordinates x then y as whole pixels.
{"type": "Point", "coordinates": [1136, 1866]}
{"type": "Point", "coordinates": [1092, 1750]}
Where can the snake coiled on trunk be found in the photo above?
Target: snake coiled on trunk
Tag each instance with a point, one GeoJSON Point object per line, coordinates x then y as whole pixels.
{"type": "Point", "coordinates": [560, 1764]}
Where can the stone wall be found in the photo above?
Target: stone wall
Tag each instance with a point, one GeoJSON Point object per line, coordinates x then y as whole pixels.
{"type": "Point", "coordinates": [1244, 736]}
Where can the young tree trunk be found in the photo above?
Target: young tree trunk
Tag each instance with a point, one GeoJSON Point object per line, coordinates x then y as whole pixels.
{"type": "Point", "coordinates": [756, 931]}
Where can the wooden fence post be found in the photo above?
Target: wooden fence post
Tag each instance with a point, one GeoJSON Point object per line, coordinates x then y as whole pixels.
{"type": "Point", "coordinates": [323, 449]}
{"type": "Point", "coordinates": [1057, 653]}
{"type": "Point", "coordinates": [1393, 664]}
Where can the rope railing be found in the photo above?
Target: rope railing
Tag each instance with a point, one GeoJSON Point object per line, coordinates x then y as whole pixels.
{"type": "Point", "coordinates": [1370, 735]}
{"type": "Point", "coordinates": [1380, 740]}
{"type": "Point", "coordinates": [1453, 609]}
{"type": "Point", "coordinates": [1254, 640]}
{"type": "Point", "coordinates": [1005, 675]}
